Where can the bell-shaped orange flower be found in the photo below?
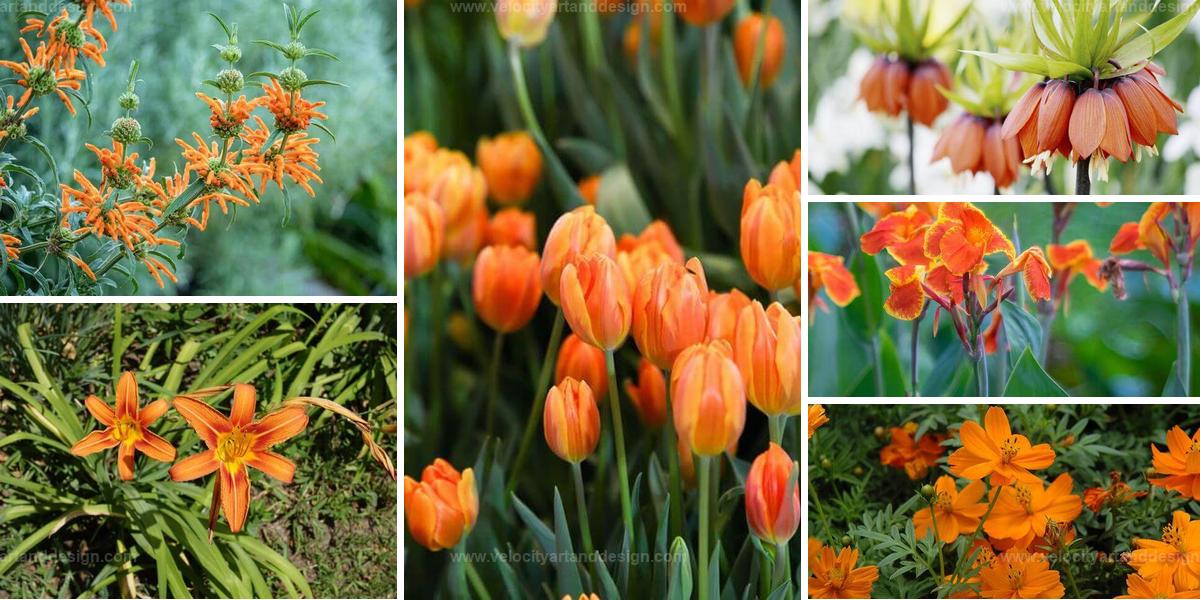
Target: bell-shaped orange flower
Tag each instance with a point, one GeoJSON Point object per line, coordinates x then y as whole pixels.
{"type": "Point", "coordinates": [953, 513]}
{"type": "Point", "coordinates": [126, 427]}
{"type": "Point", "coordinates": [442, 507]}
{"type": "Point", "coordinates": [1024, 509]}
{"type": "Point", "coordinates": [582, 361]}
{"type": "Point", "coordinates": [1034, 269]}
{"type": "Point", "coordinates": [649, 395]}
{"type": "Point", "coordinates": [816, 418]}
{"type": "Point", "coordinates": [506, 287]}
{"type": "Point", "coordinates": [236, 443]}
{"type": "Point", "coordinates": [596, 301]}
{"type": "Point", "coordinates": [994, 450]}
{"type": "Point", "coordinates": [581, 231]}
{"type": "Point", "coordinates": [767, 352]}
{"type": "Point", "coordinates": [773, 496]}
{"type": "Point", "coordinates": [512, 227]}
{"type": "Point", "coordinates": [976, 144]}
{"type": "Point", "coordinates": [835, 575]}
{"type": "Point", "coordinates": [770, 231]}
{"type": "Point", "coordinates": [424, 232]}
{"type": "Point", "coordinates": [512, 165]}
{"type": "Point", "coordinates": [745, 43]}
{"type": "Point", "coordinates": [525, 22]}
{"type": "Point", "coordinates": [1020, 574]}
{"type": "Point", "coordinates": [705, 12]}
{"type": "Point", "coordinates": [1176, 557]}
{"type": "Point", "coordinates": [670, 311]}
{"type": "Point", "coordinates": [708, 397]}
{"type": "Point", "coordinates": [723, 311]}
{"type": "Point", "coordinates": [571, 420]}
{"type": "Point", "coordinates": [893, 86]}
{"type": "Point", "coordinates": [828, 272]}
{"type": "Point", "coordinates": [962, 236]}
{"type": "Point", "coordinates": [913, 455]}
{"type": "Point", "coordinates": [1180, 464]}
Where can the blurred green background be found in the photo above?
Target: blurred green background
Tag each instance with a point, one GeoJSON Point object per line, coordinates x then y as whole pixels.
{"type": "Point", "coordinates": [1100, 347]}
{"type": "Point", "coordinates": [343, 241]}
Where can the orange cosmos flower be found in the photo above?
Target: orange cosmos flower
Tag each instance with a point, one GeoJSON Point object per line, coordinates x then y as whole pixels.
{"type": "Point", "coordinates": [745, 44]}
{"type": "Point", "coordinates": [829, 272]}
{"type": "Point", "coordinates": [1161, 587]}
{"type": "Point", "coordinates": [39, 77]}
{"type": "Point", "coordinates": [589, 188]}
{"type": "Point", "coordinates": [705, 12]}
{"type": "Point", "coordinates": [585, 362]}
{"type": "Point", "coordinates": [512, 165]}
{"type": "Point", "coordinates": [596, 300]}
{"type": "Point", "coordinates": [442, 507]}
{"type": "Point", "coordinates": [770, 234]}
{"type": "Point", "coordinates": [235, 444]}
{"type": "Point", "coordinates": [962, 236]}
{"type": "Point", "coordinates": [512, 227]}
{"type": "Point", "coordinates": [1073, 259]}
{"type": "Point", "coordinates": [994, 450]}
{"type": "Point", "coordinates": [1020, 574]}
{"type": "Point", "coordinates": [91, 7]}
{"type": "Point", "coordinates": [893, 86]}
{"type": "Point", "coordinates": [975, 144]}
{"type": "Point", "coordinates": [66, 40]}
{"type": "Point", "coordinates": [1180, 465]}
{"type": "Point", "coordinates": [835, 575]}
{"type": "Point", "coordinates": [708, 397]}
{"type": "Point", "coordinates": [1116, 494]}
{"type": "Point", "coordinates": [424, 230]}
{"type": "Point", "coordinates": [915, 456]}
{"type": "Point", "coordinates": [649, 396]}
{"type": "Point", "coordinates": [773, 496]}
{"type": "Point", "coordinates": [670, 311]}
{"type": "Point", "coordinates": [11, 245]}
{"type": "Point", "coordinates": [292, 112]}
{"type": "Point", "coordinates": [581, 231]}
{"type": "Point", "coordinates": [525, 22]}
{"type": "Point", "coordinates": [767, 352]}
{"type": "Point", "coordinates": [901, 233]}
{"type": "Point", "coordinates": [1176, 557]}
{"type": "Point", "coordinates": [816, 418]}
{"type": "Point", "coordinates": [127, 427]}
{"type": "Point", "coordinates": [1023, 510]}
{"type": "Point", "coordinates": [955, 513]}
{"type": "Point", "coordinates": [505, 287]}
{"type": "Point", "coordinates": [1032, 265]}
{"type": "Point", "coordinates": [571, 420]}
{"type": "Point", "coordinates": [723, 312]}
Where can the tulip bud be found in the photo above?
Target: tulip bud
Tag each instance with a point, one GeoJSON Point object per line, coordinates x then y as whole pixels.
{"type": "Point", "coordinates": [767, 351]}
{"type": "Point", "coordinates": [708, 397]}
{"type": "Point", "coordinates": [525, 22]}
{"type": "Point", "coordinates": [670, 311]}
{"type": "Point", "coordinates": [745, 44]}
{"type": "Point", "coordinates": [649, 396]}
{"type": "Point", "coordinates": [705, 12]}
{"type": "Point", "coordinates": [773, 496]}
{"type": "Point", "coordinates": [584, 362]}
{"type": "Point", "coordinates": [424, 231]}
{"type": "Point", "coordinates": [442, 507]}
{"type": "Point", "coordinates": [513, 227]}
{"type": "Point", "coordinates": [770, 235]}
{"type": "Point", "coordinates": [723, 311]}
{"type": "Point", "coordinates": [578, 232]}
{"type": "Point", "coordinates": [571, 420]}
{"type": "Point", "coordinates": [512, 165]}
{"type": "Point", "coordinates": [596, 300]}
{"type": "Point", "coordinates": [506, 287]}
{"type": "Point", "coordinates": [461, 191]}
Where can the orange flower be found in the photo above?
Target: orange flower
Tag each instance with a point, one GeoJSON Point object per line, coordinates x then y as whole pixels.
{"type": "Point", "coordinates": [1020, 574]}
{"type": "Point", "coordinates": [687, 464]}
{"type": "Point", "coordinates": [1032, 265]}
{"type": "Point", "coordinates": [581, 231]}
{"type": "Point", "coordinates": [649, 396]}
{"type": "Point", "coordinates": [582, 361]}
{"type": "Point", "coordinates": [708, 397]}
{"type": "Point", "coordinates": [424, 231]}
{"type": "Point", "coordinates": [66, 40]}
{"type": "Point", "coordinates": [297, 160]}
{"type": "Point", "coordinates": [1148, 233]}
{"type": "Point", "coordinates": [1023, 510]}
{"type": "Point", "coordinates": [1115, 494]}
{"type": "Point", "coordinates": [117, 169]}
{"type": "Point", "coordinates": [512, 165]}
{"type": "Point", "coordinates": [786, 174]}
{"type": "Point", "coordinates": [443, 507]}
{"type": "Point", "coordinates": [419, 162]}
{"type": "Point", "coordinates": [39, 77]}
{"type": "Point", "coordinates": [596, 300]}
{"type": "Point", "coordinates": [767, 352]}
{"type": "Point", "coordinates": [816, 418]}
{"type": "Point", "coordinates": [705, 12]}
{"type": "Point", "coordinates": [205, 161]}
{"type": "Point", "coordinates": [893, 86]}
{"type": "Point", "coordinates": [901, 233]}
{"type": "Point", "coordinates": [746, 43]}
{"type": "Point", "coordinates": [654, 247]}
{"type": "Point", "coordinates": [829, 272]}
{"type": "Point", "coordinates": [1161, 587]}
{"type": "Point", "coordinates": [954, 513]}
{"type": "Point", "coordinates": [770, 235]}
{"type": "Point", "coordinates": [907, 296]}
{"type": "Point", "coordinates": [525, 22]}
{"type": "Point", "coordinates": [1180, 465]}
{"type": "Point", "coordinates": [11, 245]}
{"type": "Point", "coordinates": [657, 233]}
{"type": "Point", "coordinates": [512, 227]}
{"type": "Point", "coordinates": [915, 456]}
{"type": "Point", "coordinates": [1075, 258]}
{"type": "Point", "coordinates": [773, 496]}
{"type": "Point", "coordinates": [12, 120]}
{"type": "Point", "coordinates": [835, 575]}
{"type": "Point", "coordinates": [91, 7]}
{"type": "Point", "coordinates": [505, 287]}
{"type": "Point", "coordinates": [127, 222]}
{"type": "Point", "coordinates": [589, 188]}
{"type": "Point", "coordinates": [1176, 557]}
{"type": "Point", "coordinates": [292, 112]}
{"type": "Point", "coordinates": [235, 444]}
{"type": "Point", "coordinates": [670, 311]}
{"type": "Point", "coordinates": [462, 192]}
{"type": "Point", "coordinates": [723, 311]}
{"type": "Point", "coordinates": [962, 236]}
{"type": "Point", "coordinates": [127, 427]}
{"type": "Point", "coordinates": [996, 451]}
{"type": "Point", "coordinates": [975, 144]}
{"type": "Point", "coordinates": [227, 118]}
{"type": "Point", "coordinates": [571, 420]}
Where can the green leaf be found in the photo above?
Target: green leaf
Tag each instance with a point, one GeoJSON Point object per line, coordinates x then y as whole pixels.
{"type": "Point", "coordinates": [49, 529]}
{"type": "Point", "coordinates": [1022, 330]}
{"type": "Point", "coordinates": [866, 313]}
{"type": "Point", "coordinates": [680, 582]}
{"type": "Point", "coordinates": [1145, 46]}
{"type": "Point", "coordinates": [568, 570]}
{"type": "Point", "coordinates": [895, 383]}
{"type": "Point", "coordinates": [1174, 387]}
{"type": "Point", "coordinates": [1033, 63]}
{"type": "Point", "coordinates": [620, 203]}
{"type": "Point", "coordinates": [1029, 379]}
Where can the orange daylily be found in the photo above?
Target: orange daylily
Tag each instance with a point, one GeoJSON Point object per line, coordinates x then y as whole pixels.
{"type": "Point", "coordinates": [126, 426]}
{"type": "Point", "coordinates": [1023, 510]}
{"type": "Point", "coordinates": [1180, 465]}
{"type": "Point", "coordinates": [914, 456]}
{"type": "Point", "coordinates": [994, 450]}
{"type": "Point", "coordinates": [1020, 574]}
{"type": "Point", "coordinates": [829, 272]}
{"type": "Point", "coordinates": [236, 443]}
{"type": "Point", "coordinates": [955, 513]}
{"type": "Point", "coordinates": [1176, 557]}
{"type": "Point", "coordinates": [962, 236]}
{"type": "Point", "coordinates": [816, 418]}
{"type": "Point", "coordinates": [835, 575]}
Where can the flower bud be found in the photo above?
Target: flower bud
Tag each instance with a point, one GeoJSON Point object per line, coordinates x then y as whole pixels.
{"type": "Point", "coordinates": [580, 231]}
{"type": "Point", "coordinates": [705, 12]}
{"type": "Point", "coordinates": [723, 311]}
{"type": "Point", "coordinates": [292, 79]}
{"type": "Point", "coordinates": [294, 51]}
{"type": "Point", "coordinates": [857, 471]}
{"type": "Point", "coordinates": [826, 463]}
{"type": "Point", "coordinates": [770, 235]}
{"type": "Point", "coordinates": [767, 351]}
{"type": "Point", "coordinates": [231, 53]}
{"type": "Point", "coordinates": [773, 496]}
{"type": "Point", "coordinates": [927, 491]}
{"type": "Point", "coordinates": [582, 361]}
{"type": "Point", "coordinates": [506, 287]}
{"type": "Point", "coordinates": [126, 130]}
{"type": "Point", "coordinates": [512, 165]}
{"type": "Point", "coordinates": [745, 44]}
{"type": "Point", "coordinates": [596, 300]}
{"type": "Point", "coordinates": [846, 540]}
{"type": "Point", "coordinates": [525, 22]}
{"type": "Point", "coordinates": [442, 507]}
{"type": "Point", "coordinates": [129, 101]}
{"type": "Point", "coordinates": [670, 311]}
{"type": "Point", "coordinates": [708, 397]}
{"type": "Point", "coordinates": [513, 227]}
{"type": "Point", "coordinates": [649, 396]}
{"type": "Point", "coordinates": [571, 420]}
{"type": "Point", "coordinates": [230, 81]}
{"type": "Point", "coordinates": [424, 231]}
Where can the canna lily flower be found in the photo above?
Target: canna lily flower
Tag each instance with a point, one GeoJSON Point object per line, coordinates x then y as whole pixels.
{"type": "Point", "coordinates": [10, 245]}
{"type": "Point", "coordinates": [40, 78]}
{"type": "Point", "coordinates": [901, 233]}
{"type": "Point", "coordinates": [1020, 574]}
{"type": "Point", "coordinates": [1148, 232]}
{"type": "Point", "coordinates": [954, 513]}
{"type": "Point", "coordinates": [766, 349]}
{"type": "Point", "coordinates": [962, 236]}
{"type": "Point", "coordinates": [670, 311]}
{"type": "Point", "coordinates": [512, 227]}
{"type": "Point", "coordinates": [907, 296]}
{"type": "Point", "coordinates": [126, 427]}
{"type": "Point", "coordinates": [1024, 509]}
{"type": "Point", "coordinates": [649, 396]}
{"type": "Point", "coordinates": [1180, 465]}
{"type": "Point", "coordinates": [525, 23]}
{"type": "Point", "coordinates": [235, 444]}
{"type": "Point", "coordinates": [596, 300]}
{"type": "Point", "coordinates": [512, 165]}
{"type": "Point", "coordinates": [581, 231]}
{"type": "Point", "coordinates": [746, 42]}
{"type": "Point", "coordinates": [816, 418]}
{"type": "Point", "coordinates": [835, 575]}
{"type": "Point", "coordinates": [708, 398]}
{"type": "Point", "coordinates": [828, 272]}
{"type": "Point", "coordinates": [1176, 557]}
{"type": "Point", "coordinates": [442, 507]}
{"type": "Point", "coordinates": [424, 231]}
{"type": "Point", "coordinates": [585, 362]}
{"type": "Point", "coordinates": [976, 144]}
{"type": "Point", "coordinates": [571, 420]}
{"type": "Point", "coordinates": [505, 287]}
{"type": "Point", "coordinates": [1032, 265]}
{"type": "Point", "coordinates": [1071, 259]}
{"type": "Point", "coordinates": [915, 456]}
{"type": "Point", "coordinates": [994, 450]}
{"type": "Point", "coordinates": [770, 234]}
{"type": "Point", "coordinates": [773, 496]}
{"type": "Point", "coordinates": [702, 13]}
{"type": "Point", "coordinates": [723, 311]}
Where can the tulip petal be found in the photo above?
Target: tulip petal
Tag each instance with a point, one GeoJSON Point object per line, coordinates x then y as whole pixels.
{"type": "Point", "coordinates": [205, 419]}
{"type": "Point", "coordinates": [273, 464]}
{"type": "Point", "coordinates": [235, 497]}
{"type": "Point", "coordinates": [94, 442]}
{"type": "Point", "coordinates": [241, 412]}
{"type": "Point", "coordinates": [155, 447]}
{"type": "Point", "coordinates": [195, 466]}
{"type": "Point", "coordinates": [278, 426]}
{"type": "Point", "coordinates": [103, 413]}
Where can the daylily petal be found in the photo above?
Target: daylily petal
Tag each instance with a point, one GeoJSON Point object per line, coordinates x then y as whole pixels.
{"type": "Point", "coordinates": [195, 466]}
{"type": "Point", "coordinates": [103, 413]}
{"type": "Point", "coordinates": [241, 412]}
{"type": "Point", "coordinates": [125, 456]}
{"type": "Point", "coordinates": [94, 442]}
{"type": "Point", "coordinates": [203, 418]}
{"type": "Point", "coordinates": [127, 395]}
{"type": "Point", "coordinates": [155, 447]}
{"type": "Point", "coordinates": [273, 464]}
{"type": "Point", "coordinates": [235, 497]}
{"type": "Point", "coordinates": [278, 426]}
{"type": "Point", "coordinates": [151, 412]}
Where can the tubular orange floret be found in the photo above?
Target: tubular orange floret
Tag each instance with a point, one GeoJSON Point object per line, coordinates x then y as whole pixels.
{"type": "Point", "coordinates": [10, 245]}
{"type": "Point", "coordinates": [292, 112]}
{"type": "Point", "coordinates": [297, 161]}
{"type": "Point", "coordinates": [39, 77]}
{"type": "Point", "coordinates": [127, 222]}
{"type": "Point", "coordinates": [67, 40]}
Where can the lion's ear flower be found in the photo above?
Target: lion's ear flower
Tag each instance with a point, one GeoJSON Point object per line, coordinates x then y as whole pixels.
{"type": "Point", "coordinates": [1034, 269]}
{"type": "Point", "coordinates": [994, 450]}
{"type": "Point", "coordinates": [126, 427]}
{"type": "Point", "coordinates": [954, 512]}
{"type": "Point", "coordinates": [525, 22]}
{"type": "Point", "coordinates": [442, 507]}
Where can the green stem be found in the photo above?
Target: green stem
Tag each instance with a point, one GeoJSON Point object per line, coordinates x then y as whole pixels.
{"type": "Point", "coordinates": [539, 398]}
{"type": "Point", "coordinates": [585, 528]}
{"type": "Point", "coordinates": [1183, 361]}
{"type": "Point", "coordinates": [912, 157]}
{"type": "Point", "coordinates": [476, 581]}
{"type": "Point", "coordinates": [437, 322]}
{"type": "Point", "coordinates": [937, 538]}
{"type": "Point", "coordinates": [1066, 567]}
{"type": "Point", "coordinates": [816, 501]}
{"type": "Point", "coordinates": [702, 467]}
{"type": "Point", "coordinates": [37, 246]}
{"type": "Point", "coordinates": [916, 334]}
{"type": "Point", "coordinates": [877, 352]}
{"type": "Point", "coordinates": [954, 581]}
{"type": "Point", "coordinates": [673, 469]}
{"type": "Point", "coordinates": [755, 75]}
{"type": "Point", "coordinates": [108, 264]}
{"type": "Point", "coordinates": [670, 74]}
{"type": "Point", "coordinates": [493, 387]}
{"type": "Point", "coordinates": [619, 441]}
{"type": "Point", "coordinates": [776, 424]}
{"type": "Point", "coordinates": [783, 565]}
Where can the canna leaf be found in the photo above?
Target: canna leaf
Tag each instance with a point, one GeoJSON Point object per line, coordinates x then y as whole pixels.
{"type": "Point", "coordinates": [1029, 379]}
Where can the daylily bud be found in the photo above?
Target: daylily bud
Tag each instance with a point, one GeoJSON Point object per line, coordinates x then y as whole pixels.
{"type": "Point", "coordinates": [442, 507]}
{"type": "Point", "coordinates": [512, 165]}
{"type": "Point", "coordinates": [705, 12]}
{"type": "Point", "coordinates": [578, 232]}
{"type": "Point", "coordinates": [596, 300]}
{"type": "Point", "coordinates": [670, 311]}
{"type": "Point", "coordinates": [525, 22]}
{"type": "Point", "coordinates": [745, 44]}
{"type": "Point", "coordinates": [571, 420]}
{"type": "Point", "coordinates": [584, 362]}
{"type": "Point", "coordinates": [506, 287]}
{"type": "Point", "coordinates": [773, 496]}
{"type": "Point", "coordinates": [649, 396]}
{"type": "Point", "coordinates": [424, 231]}
{"type": "Point", "coordinates": [767, 352]}
{"type": "Point", "coordinates": [708, 397]}
{"type": "Point", "coordinates": [513, 227]}
{"type": "Point", "coordinates": [723, 311]}
{"type": "Point", "coordinates": [770, 235]}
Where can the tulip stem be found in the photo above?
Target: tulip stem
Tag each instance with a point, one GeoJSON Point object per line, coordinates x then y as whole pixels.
{"type": "Point", "coordinates": [493, 376]}
{"type": "Point", "coordinates": [539, 399]}
{"type": "Point", "coordinates": [568, 195]}
{"type": "Point", "coordinates": [783, 565]}
{"type": "Point", "coordinates": [585, 529]}
{"type": "Point", "coordinates": [476, 581]}
{"type": "Point", "coordinates": [673, 468]}
{"type": "Point", "coordinates": [438, 322]}
{"type": "Point", "coordinates": [1183, 363]}
{"type": "Point", "coordinates": [703, 468]}
{"type": "Point", "coordinates": [912, 157]}
{"type": "Point", "coordinates": [1083, 179]}
{"type": "Point", "coordinates": [619, 439]}
{"type": "Point", "coordinates": [776, 424]}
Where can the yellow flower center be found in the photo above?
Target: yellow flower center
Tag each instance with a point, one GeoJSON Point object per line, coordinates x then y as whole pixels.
{"type": "Point", "coordinates": [126, 430]}
{"type": "Point", "coordinates": [1014, 578]}
{"type": "Point", "coordinates": [1194, 448]}
{"type": "Point", "coordinates": [233, 447]}
{"type": "Point", "coordinates": [1172, 535]}
{"type": "Point", "coordinates": [837, 576]}
{"type": "Point", "coordinates": [942, 501]}
{"type": "Point", "coordinates": [1009, 448]}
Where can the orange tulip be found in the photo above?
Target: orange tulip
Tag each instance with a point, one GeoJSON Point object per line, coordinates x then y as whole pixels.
{"type": "Point", "coordinates": [631, 40]}
{"type": "Point", "coordinates": [955, 513]}
{"type": "Point", "coordinates": [656, 233]}
{"type": "Point", "coordinates": [442, 507]}
{"type": "Point", "coordinates": [571, 420]}
{"type": "Point", "coordinates": [418, 150]}
{"type": "Point", "coordinates": [596, 300]}
{"type": "Point", "coordinates": [816, 418]}
{"type": "Point", "coordinates": [505, 287]}
{"type": "Point", "coordinates": [670, 311]}
{"type": "Point", "coordinates": [649, 396]}
{"type": "Point", "coordinates": [705, 12]}
{"type": "Point", "coordinates": [126, 427]}
{"type": "Point", "coordinates": [525, 22]}
{"type": "Point", "coordinates": [637, 259]}
{"type": "Point", "coordinates": [723, 311]}
{"type": "Point", "coordinates": [462, 193]}
{"type": "Point", "coordinates": [708, 397]}
{"type": "Point", "coordinates": [512, 227]}
{"type": "Point", "coordinates": [236, 443]}
{"type": "Point", "coordinates": [829, 272]}
{"type": "Point", "coordinates": [745, 44]}
{"type": "Point", "coordinates": [584, 362]}
{"type": "Point", "coordinates": [786, 174]}
{"type": "Point", "coordinates": [578, 232]}
{"type": "Point", "coordinates": [589, 188]}
{"type": "Point", "coordinates": [773, 496]}
{"type": "Point", "coordinates": [512, 165]}
{"type": "Point", "coordinates": [767, 352]}
{"type": "Point", "coordinates": [996, 451]}
{"type": "Point", "coordinates": [687, 463]}
{"type": "Point", "coordinates": [424, 232]}
{"type": "Point", "coordinates": [770, 235]}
